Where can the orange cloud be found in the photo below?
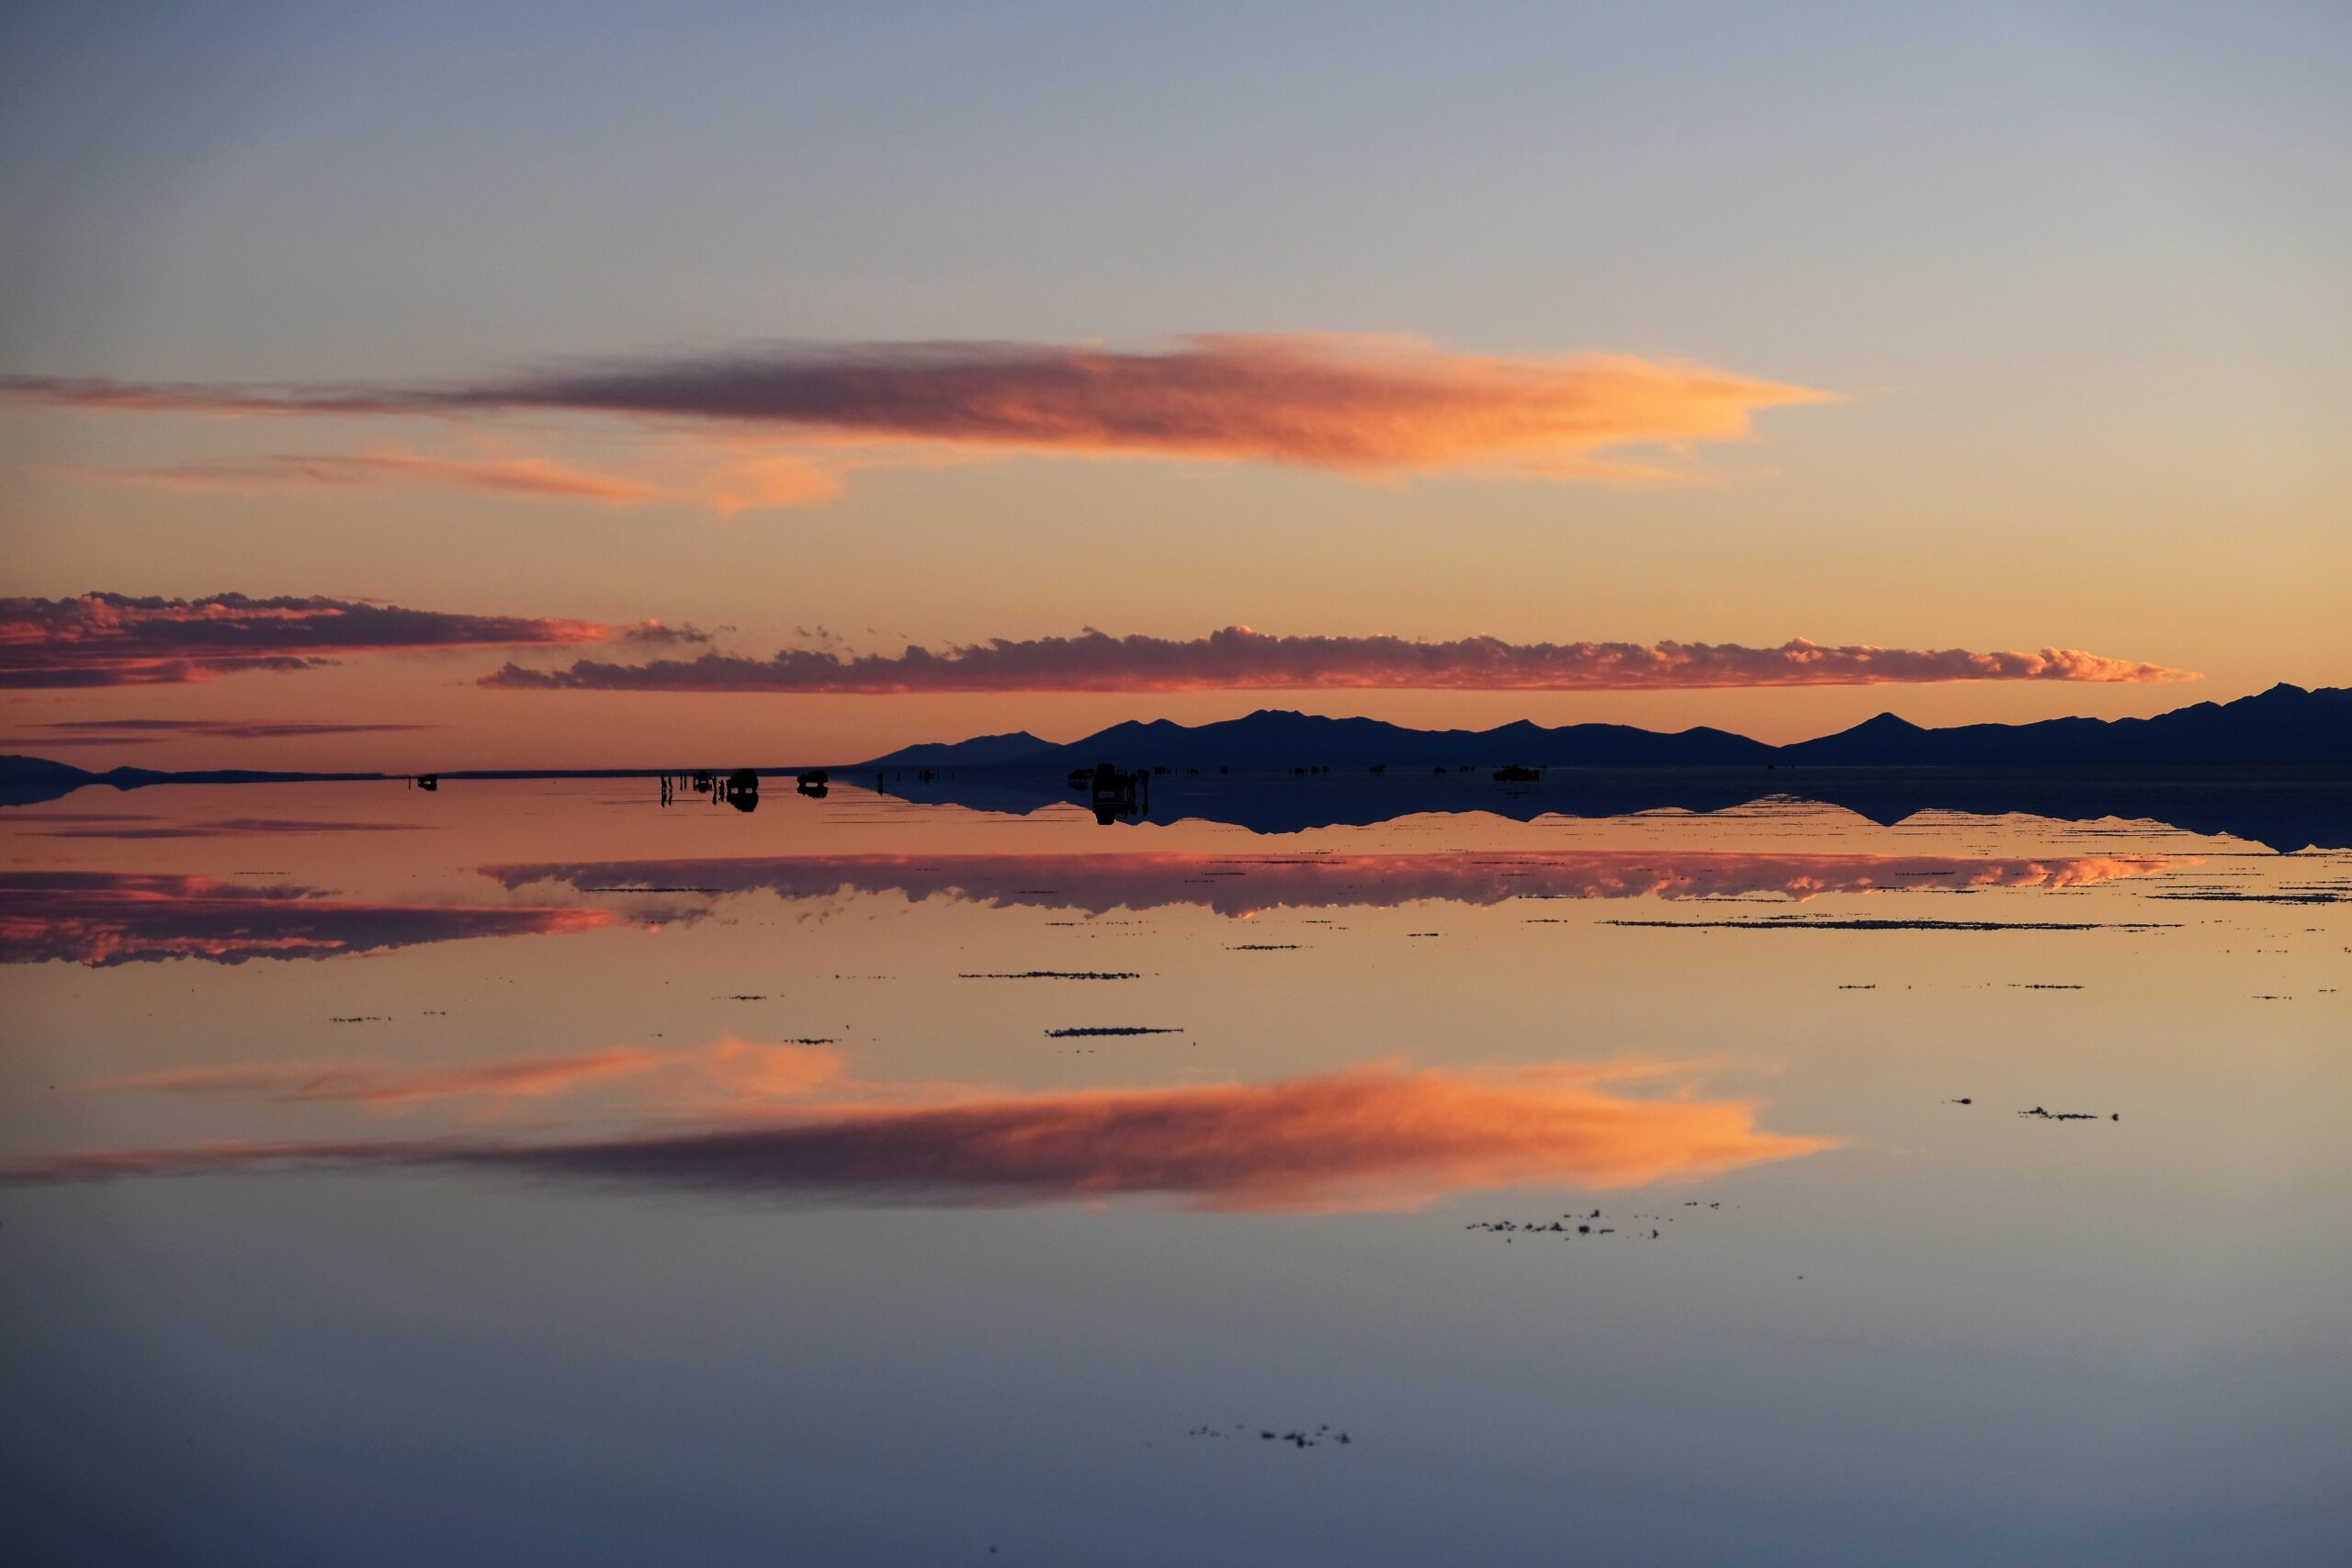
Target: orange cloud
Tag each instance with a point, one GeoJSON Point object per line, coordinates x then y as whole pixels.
{"type": "Point", "coordinates": [1356, 404]}
{"type": "Point", "coordinates": [1379, 1137]}
{"type": "Point", "coordinates": [1238, 658]}
{"type": "Point", "coordinates": [1242, 885]}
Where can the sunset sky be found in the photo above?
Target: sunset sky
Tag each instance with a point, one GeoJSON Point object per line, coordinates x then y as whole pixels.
{"type": "Point", "coordinates": [584, 386]}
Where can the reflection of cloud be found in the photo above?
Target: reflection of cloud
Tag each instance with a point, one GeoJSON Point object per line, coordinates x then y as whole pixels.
{"type": "Point", "coordinates": [103, 918]}
{"type": "Point", "coordinates": [147, 731]}
{"type": "Point", "coordinates": [1238, 884]}
{"type": "Point", "coordinates": [1375, 1137]}
{"type": "Point", "coordinates": [1238, 658]}
{"type": "Point", "coordinates": [1357, 404]}
{"type": "Point", "coordinates": [382, 1087]}
{"type": "Point", "coordinates": [115, 639]}
{"type": "Point", "coordinates": [226, 828]}
{"type": "Point", "coordinates": [731, 1075]}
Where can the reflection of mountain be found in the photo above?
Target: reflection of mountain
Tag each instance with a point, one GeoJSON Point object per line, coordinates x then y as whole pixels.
{"type": "Point", "coordinates": [2285, 808]}
{"type": "Point", "coordinates": [2284, 724]}
{"type": "Point", "coordinates": [1376, 1137]}
{"type": "Point", "coordinates": [28, 780]}
{"type": "Point", "coordinates": [103, 918]}
{"type": "Point", "coordinates": [1239, 885]}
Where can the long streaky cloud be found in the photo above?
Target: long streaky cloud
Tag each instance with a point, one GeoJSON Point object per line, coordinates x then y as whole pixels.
{"type": "Point", "coordinates": [117, 639]}
{"type": "Point", "coordinates": [148, 731]}
{"type": "Point", "coordinates": [383, 470]}
{"type": "Point", "coordinates": [1363, 404]}
{"type": "Point", "coordinates": [1238, 658]}
{"type": "Point", "coordinates": [729, 1077]}
{"type": "Point", "coordinates": [1373, 1137]}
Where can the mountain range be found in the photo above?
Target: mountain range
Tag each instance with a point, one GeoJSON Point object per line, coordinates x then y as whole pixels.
{"type": "Point", "coordinates": [2284, 724]}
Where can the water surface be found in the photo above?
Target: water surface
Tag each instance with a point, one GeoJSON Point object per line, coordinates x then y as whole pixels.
{"type": "Point", "coordinates": [529, 1170]}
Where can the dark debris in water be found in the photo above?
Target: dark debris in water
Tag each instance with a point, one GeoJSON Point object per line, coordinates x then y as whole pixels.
{"type": "Point", "coordinates": [1637, 1226]}
{"type": "Point", "coordinates": [1054, 975]}
{"type": "Point", "coordinates": [1298, 1438]}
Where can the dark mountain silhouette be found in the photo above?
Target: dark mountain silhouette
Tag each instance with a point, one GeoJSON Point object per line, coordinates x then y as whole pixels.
{"type": "Point", "coordinates": [39, 770]}
{"type": "Point", "coordinates": [2270, 768]}
{"type": "Point", "coordinates": [2284, 724]}
{"type": "Point", "coordinates": [981, 751]}
{"type": "Point", "coordinates": [1273, 737]}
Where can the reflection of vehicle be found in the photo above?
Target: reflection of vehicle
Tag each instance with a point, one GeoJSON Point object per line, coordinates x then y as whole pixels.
{"type": "Point", "coordinates": [1115, 793]}
{"type": "Point", "coordinates": [702, 784]}
{"type": "Point", "coordinates": [813, 783]}
{"type": "Point", "coordinates": [428, 781]}
{"type": "Point", "coordinates": [1514, 773]}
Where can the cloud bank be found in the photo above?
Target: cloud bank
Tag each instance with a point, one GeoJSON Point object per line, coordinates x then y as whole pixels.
{"type": "Point", "coordinates": [1238, 658]}
{"type": "Point", "coordinates": [1363, 404]}
{"type": "Point", "coordinates": [116, 639]}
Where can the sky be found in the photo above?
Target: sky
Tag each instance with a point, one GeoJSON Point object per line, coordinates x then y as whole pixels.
{"type": "Point", "coordinates": [677, 373]}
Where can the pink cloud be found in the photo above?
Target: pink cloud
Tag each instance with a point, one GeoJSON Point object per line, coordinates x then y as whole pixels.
{"type": "Point", "coordinates": [117, 639]}
{"type": "Point", "coordinates": [1238, 658]}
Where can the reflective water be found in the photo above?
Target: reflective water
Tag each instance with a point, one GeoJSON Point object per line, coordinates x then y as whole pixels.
{"type": "Point", "coordinates": [530, 1172]}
